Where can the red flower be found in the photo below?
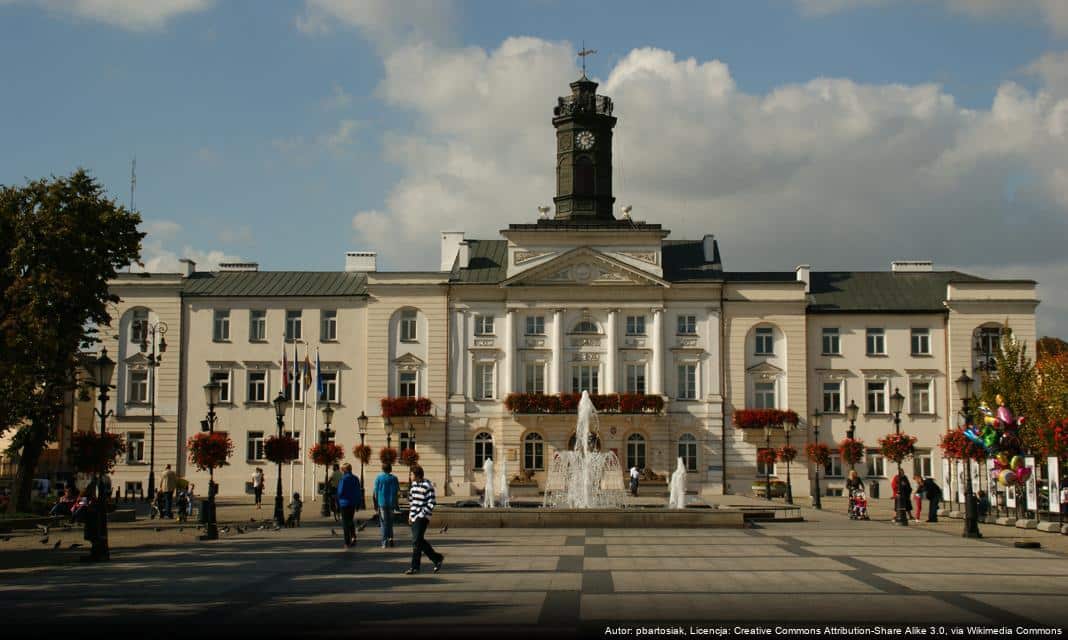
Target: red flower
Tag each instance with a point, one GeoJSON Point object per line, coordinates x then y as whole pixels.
{"type": "Point", "coordinates": [852, 450]}
{"type": "Point", "coordinates": [766, 456]}
{"type": "Point", "coordinates": [568, 403]}
{"type": "Point", "coordinates": [388, 455]}
{"type": "Point", "coordinates": [759, 418]}
{"type": "Point", "coordinates": [326, 454]}
{"type": "Point", "coordinates": [818, 453]}
{"type": "Point", "coordinates": [210, 450]}
{"type": "Point", "coordinates": [409, 457]}
{"type": "Point", "coordinates": [281, 450]}
{"type": "Point", "coordinates": [787, 453]}
{"type": "Point", "coordinates": [897, 446]}
{"type": "Point", "coordinates": [404, 406]}
{"type": "Point", "coordinates": [955, 444]}
{"type": "Point", "coordinates": [92, 452]}
{"type": "Point", "coordinates": [362, 453]}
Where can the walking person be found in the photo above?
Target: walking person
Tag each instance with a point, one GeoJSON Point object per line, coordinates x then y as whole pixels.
{"type": "Point", "coordinates": [331, 492]}
{"type": "Point", "coordinates": [167, 485]}
{"type": "Point", "coordinates": [257, 486]}
{"type": "Point", "coordinates": [933, 493]}
{"type": "Point", "coordinates": [903, 489]}
{"type": "Point", "coordinates": [421, 498]}
{"type": "Point", "coordinates": [917, 497]}
{"type": "Point", "coordinates": [385, 497]}
{"type": "Point", "coordinates": [634, 476]}
{"type": "Point", "coordinates": [350, 499]}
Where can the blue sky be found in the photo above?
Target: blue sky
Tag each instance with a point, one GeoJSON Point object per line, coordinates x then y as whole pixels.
{"type": "Point", "coordinates": [291, 132]}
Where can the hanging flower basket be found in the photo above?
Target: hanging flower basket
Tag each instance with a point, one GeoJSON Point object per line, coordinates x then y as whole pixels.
{"type": "Point", "coordinates": [624, 403]}
{"type": "Point", "coordinates": [362, 453]}
{"type": "Point", "coordinates": [787, 453]}
{"type": "Point", "coordinates": [852, 450]}
{"type": "Point", "coordinates": [388, 455]}
{"type": "Point", "coordinates": [898, 446]}
{"type": "Point", "coordinates": [409, 457]}
{"type": "Point", "coordinates": [326, 454]}
{"type": "Point", "coordinates": [92, 452]}
{"type": "Point", "coordinates": [818, 453]}
{"type": "Point", "coordinates": [281, 450]}
{"type": "Point", "coordinates": [210, 450]}
{"type": "Point", "coordinates": [767, 456]}
{"type": "Point", "coordinates": [759, 418]}
{"type": "Point", "coordinates": [955, 444]}
{"type": "Point", "coordinates": [404, 406]}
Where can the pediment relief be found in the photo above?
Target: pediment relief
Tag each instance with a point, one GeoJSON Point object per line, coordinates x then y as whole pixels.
{"type": "Point", "coordinates": [584, 267]}
{"type": "Point", "coordinates": [137, 360]}
{"type": "Point", "coordinates": [764, 368]}
{"type": "Point", "coordinates": [408, 362]}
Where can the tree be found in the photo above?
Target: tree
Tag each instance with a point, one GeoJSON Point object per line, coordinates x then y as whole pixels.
{"type": "Point", "coordinates": [1015, 380]}
{"type": "Point", "coordinates": [61, 240]}
{"type": "Point", "coordinates": [1049, 346]}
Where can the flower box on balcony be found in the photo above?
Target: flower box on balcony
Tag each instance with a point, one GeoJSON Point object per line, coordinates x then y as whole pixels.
{"type": "Point", "coordinates": [393, 407]}
{"type": "Point", "coordinates": [629, 403]}
{"type": "Point", "coordinates": [759, 418]}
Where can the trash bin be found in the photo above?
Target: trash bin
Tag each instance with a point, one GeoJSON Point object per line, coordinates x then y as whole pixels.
{"type": "Point", "coordinates": [873, 489]}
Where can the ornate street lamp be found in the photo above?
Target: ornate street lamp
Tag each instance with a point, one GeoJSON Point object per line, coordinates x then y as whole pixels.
{"type": "Point", "coordinates": [279, 416]}
{"type": "Point", "coordinates": [325, 437]}
{"type": "Point", "coordinates": [148, 334]}
{"type": "Point", "coordinates": [787, 427]}
{"type": "Point", "coordinates": [851, 412]}
{"type": "Point", "coordinates": [101, 368]}
{"type": "Point", "coordinates": [971, 515]}
{"type": "Point", "coordinates": [212, 390]}
{"type": "Point", "coordinates": [767, 467]}
{"type": "Point", "coordinates": [816, 417]}
{"type": "Point", "coordinates": [897, 402]}
{"type": "Point", "coordinates": [361, 427]}
{"type": "Point", "coordinates": [388, 424]}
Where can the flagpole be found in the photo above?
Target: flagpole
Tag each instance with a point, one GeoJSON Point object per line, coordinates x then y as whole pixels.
{"type": "Point", "coordinates": [293, 422]}
{"type": "Point", "coordinates": [304, 430]}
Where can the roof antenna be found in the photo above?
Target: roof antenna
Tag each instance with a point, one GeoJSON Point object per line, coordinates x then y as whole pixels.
{"type": "Point", "coordinates": [133, 180]}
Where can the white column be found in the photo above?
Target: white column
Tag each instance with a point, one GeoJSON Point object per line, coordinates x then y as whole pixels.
{"type": "Point", "coordinates": [509, 353]}
{"type": "Point", "coordinates": [656, 383]}
{"type": "Point", "coordinates": [556, 366]}
{"type": "Point", "coordinates": [459, 353]}
{"type": "Point", "coordinates": [713, 386]}
{"type": "Point", "coordinates": [610, 372]}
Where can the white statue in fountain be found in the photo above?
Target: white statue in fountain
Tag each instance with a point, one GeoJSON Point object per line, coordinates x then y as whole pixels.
{"type": "Point", "coordinates": [677, 484]}
{"type": "Point", "coordinates": [582, 479]}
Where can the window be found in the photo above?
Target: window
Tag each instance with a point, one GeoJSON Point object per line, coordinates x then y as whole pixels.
{"type": "Point", "coordinates": [328, 330]}
{"type": "Point", "coordinates": [483, 325]}
{"type": "Point", "coordinates": [257, 325]}
{"type": "Point", "coordinates": [533, 452]}
{"type": "Point", "coordinates": [920, 397]}
{"type": "Point", "coordinates": [221, 326]}
{"type": "Point", "coordinates": [329, 380]}
{"type": "Point", "coordinates": [534, 382]}
{"type": "Point", "coordinates": [921, 342]}
{"type": "Point", "coordinates": [688, 451]}
{"type": "Point", "coordinates": [687, 382]}
{"type": "Point", "coordinates": [483, 381]}
{"type": "Point", "coordinates": [876, 465]}
{"type": "Point", "coordinates": [687, 325]}
{"type": "Point", "coordinates": [593, 442]}
{"type": "Point", "coordinates": [765, 343]}
{"type": "Point", "coordinates": [764, 469]}
{"type": "Point", "coordinates": [139, 326]}
{"type": "Point", "coordinates": [254, 449]}
{"type": "Point", "coordinates": [921, 464]}
{"type": "Point", "coordinates": [584, 378]}
{"type": "Point", "coordinates": [137, 392]}
{"type": "Point", "coordinates": [832, 397]}
{"type": "Point", "coordinates": [408, 331]}
{"type": "Point", "coordinates": [876, 342]}
{"type": "Point", "coordinates": [833, 468]}
{"type": "Point", "coordinates": [294, 330]}
{"type": "Point", "coordinates": [222, 377]}
{"type": "Point", "coordinates": [296, 436]}
{"type": "Point", "coordinates": [257, 386]}
{"type": "Point", "coordinates": [635, 325]}
{"type": "Point", "coordinates": [584, 176]}
{"type": "Point", "coordinates": [586, 326]}
{"type": "Point", "coordinates": [535, 325]}
{"type": "Point", "coordinates": [483, 449]}
{"type": "Point", "coordinates": [764, 395]}
{"type": "Point", "coordinates": [832, 345]}
{"type": "Point", "coordinates": [406, 384]}
{"type": "Point", "coordinates": [989, 341]}
{"type": "Point", "coordinates": [636, 378]}
{"type": "Point", "coordinates": [135, 447]}
{"type": "Point", "coordinates": [876, 397]}
{"type": "Point", "coordinates": [636, 451]}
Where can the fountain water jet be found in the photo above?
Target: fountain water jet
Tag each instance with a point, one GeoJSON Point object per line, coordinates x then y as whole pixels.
{"type": "Point", "coordinates": [677, 484]}
{"type": "Point", "coordinates": [584, 479]}
{"type": "Point", "coordinates": [488, 495]}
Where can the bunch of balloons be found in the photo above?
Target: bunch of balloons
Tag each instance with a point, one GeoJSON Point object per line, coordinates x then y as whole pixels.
{"type": "Point", "coordinates": [998, 434]}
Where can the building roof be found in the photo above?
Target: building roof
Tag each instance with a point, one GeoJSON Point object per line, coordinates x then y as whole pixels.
{"type": "Point", "coordinates": [487, 263]}
{"type": "Point", "coordinates": [882, 291]}
{"type": "Point", "coordinates": [684, 261]}
{"type": "Point", "coordinates": [276, 283]}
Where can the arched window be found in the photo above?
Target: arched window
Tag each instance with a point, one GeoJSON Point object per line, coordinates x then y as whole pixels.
{"type": "Point", "coordinates": [585, 326]}
{"type": "Point", "coordinates": [636, 451]}
{"type": "Point", "coordinates": [595, 442]}
{"type": "Point", "coordinates": [533, 452]}
{"type": "Point", "coordinates": [483, 449]}
{"type": "Point", "coordinates": [584, 176]}
{"type": "Point", "coordinates": [688, 451]}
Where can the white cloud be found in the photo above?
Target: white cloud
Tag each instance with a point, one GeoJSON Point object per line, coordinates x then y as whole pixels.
{"type": "Point", "coordinates": [134, 15]}
{"type": "Point", "coordinates": [1052, 13]}
{"type": "Point", "coordinates": [157, 257]}
{"type": "Point", "coordinates": [387, 23]}
{"type": "Point", "coordinates": [829, 172]}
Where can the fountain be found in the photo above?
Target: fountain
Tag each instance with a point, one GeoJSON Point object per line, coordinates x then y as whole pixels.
{"type": "Point", "coordinates": [488, 500]}
{"type": "Point", "coordinates": [502, 480]}
{"type": "Point", "coordinates": [677, 497]}
{"type": "Point", "coordinates": [584, 479]}
{"type": "Point", "coordinates": [492, 496]}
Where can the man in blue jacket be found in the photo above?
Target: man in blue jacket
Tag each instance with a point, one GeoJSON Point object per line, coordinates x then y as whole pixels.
{"type": "Point", "coordinates": [386, 489]}
{"type": "Point", "coordinates": [349, 498]}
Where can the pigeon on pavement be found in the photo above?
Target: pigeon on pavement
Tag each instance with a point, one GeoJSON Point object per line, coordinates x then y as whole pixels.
{"type": "Point", "coordinates": [333, 532]}
{"type": "Point", "coordinates": [56, 545]}
{"type": "Point", "coordinates": [75, 545]}
{"type": "Point", "coordinates": [444, 528]}
{"type": "Point", "coordinates": [43, 528]}
{"type": "Point", "coordinates": [44, 540]}
{"type": "Point", "coordinates": [240, 529]}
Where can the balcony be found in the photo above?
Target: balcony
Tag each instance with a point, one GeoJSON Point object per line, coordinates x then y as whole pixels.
{"type": "Point", "coordinates": [405, 406]}
{"type": "Point", "coordinates": [759, 418]}
{"type": "Point", "coordinates": [619, 403]}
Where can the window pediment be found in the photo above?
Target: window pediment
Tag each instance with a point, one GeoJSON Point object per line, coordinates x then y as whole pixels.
{"type": "Point", "coordinates": [585, 267]}
{"type": "Point", "coordinates": [764, 368]}
{"type": "Point", "coordinates": [408, 362]}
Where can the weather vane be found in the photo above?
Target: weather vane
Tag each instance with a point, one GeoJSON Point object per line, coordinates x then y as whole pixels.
{"type": "Point", "coordinates": [583, 53]}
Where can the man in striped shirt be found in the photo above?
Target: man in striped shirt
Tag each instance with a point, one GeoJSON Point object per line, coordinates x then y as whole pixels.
{"type": "Point", "coordinates": [421, 498]}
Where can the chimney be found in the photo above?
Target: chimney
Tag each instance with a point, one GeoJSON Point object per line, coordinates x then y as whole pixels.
{"type": "Point", "coordinates": [450, 247]}
{"type": "Point", "coordinates": [911, 266]}
{"type": "Point", "coordinates": [189, 267]}
{"type": "Point", "coordinates": [239, 266]}
{"type": "Point", "coordinates": [708, 245]}
{"type": "Point", "coordinates": [363, 261]}
{"type": "Point", "coordinates": [804, 274]}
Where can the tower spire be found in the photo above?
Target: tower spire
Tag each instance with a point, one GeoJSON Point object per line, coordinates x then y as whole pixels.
{"type": "Point", "coordinates": [583, 52]}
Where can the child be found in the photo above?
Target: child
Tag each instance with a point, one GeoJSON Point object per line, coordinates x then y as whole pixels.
{"type": "Point", "coordinates": [183, 505]}
{"type": "Point", "coordinates": [295, 508]}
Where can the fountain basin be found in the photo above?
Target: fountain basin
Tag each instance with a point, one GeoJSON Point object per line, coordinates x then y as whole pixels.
{"type": "Point", "coordinates": [557, 518]}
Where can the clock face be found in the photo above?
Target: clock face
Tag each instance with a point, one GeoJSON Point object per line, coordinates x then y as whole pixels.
{"type": "Point", "coordinates": [584, 140]}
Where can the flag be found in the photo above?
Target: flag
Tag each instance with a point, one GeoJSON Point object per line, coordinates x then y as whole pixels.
{"type": "Point", "coordinates": [307, 371]}
{"type": "Point", "coordinates": [318, 376]}
{"type": "Point", "coordinates": [293, 380]}
{"type": "Point", "coordinates": [285, 367]}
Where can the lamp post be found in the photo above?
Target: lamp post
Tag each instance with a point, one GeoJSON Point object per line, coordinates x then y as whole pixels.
{"type": "Point", "coordinates": [897, 401]}
{"type": "Point", "coordinates": [149, 332]}
{"type": "Point", "coordinates": [211, 527]}
{"type": "Point", "coordinates": [971, 516]}
{"type": "Point", "coordinates": [388, 424]}
{"type": "Point", "coordinates": [101, 368]}
{"type": "Point", "coordinates": [279, 416]}
{"type": "Point", "coordinates": [767, 467]}
{"type": "Point", "coordinates": [361, 426]}
{"type": "Point", "coordinates": [787, 427]}
{"type": "Point", "coordinates": [325, 437]}
{"type": "Point", "coordinates": [851, 412]}
{"type": "Point", "coordinates": [816, 417]}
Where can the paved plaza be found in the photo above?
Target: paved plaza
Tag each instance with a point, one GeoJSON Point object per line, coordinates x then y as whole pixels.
{"type": "Point", "coordinates": [827, 569]}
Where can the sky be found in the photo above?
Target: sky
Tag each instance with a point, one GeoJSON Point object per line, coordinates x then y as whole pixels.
{"type": "Point", "coordinates": [838, 133]}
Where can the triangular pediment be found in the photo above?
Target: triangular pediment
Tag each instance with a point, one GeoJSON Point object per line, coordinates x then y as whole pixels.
{"type": "Point", "coordinates": [137, 360]}
{"type": "Point", "coordinates": [584, 267]}
{"type": "Point", "coordinates": [408, 360]}
{"type": "Point", "coordinates": [764, 368]}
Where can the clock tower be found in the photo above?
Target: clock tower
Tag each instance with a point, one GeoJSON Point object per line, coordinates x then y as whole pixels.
{"type": "Point", "coordinates": [584, 123]}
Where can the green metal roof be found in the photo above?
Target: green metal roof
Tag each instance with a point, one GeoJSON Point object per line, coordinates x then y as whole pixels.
{"type": "Point", "coordinates": [882, 291]}
{"type": "Point", "coordinates": [487, 263]}
{"type": "Point", "coordinates": [276, 283]}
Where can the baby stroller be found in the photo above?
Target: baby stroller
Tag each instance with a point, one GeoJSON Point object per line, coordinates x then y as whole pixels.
{"type": "Point", "coordinates": [183, 505]}
{"type": "Point", "coordinates": [858, 505]}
